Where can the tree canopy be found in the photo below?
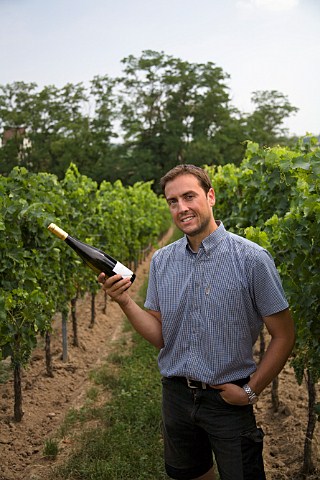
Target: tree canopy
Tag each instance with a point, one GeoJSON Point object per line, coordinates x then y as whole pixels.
{"type": "Point", "coordinates": [160, 112]}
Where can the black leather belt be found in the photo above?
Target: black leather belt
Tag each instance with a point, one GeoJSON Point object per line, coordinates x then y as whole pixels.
{"type": "Point", "coordinates": [204, 386]}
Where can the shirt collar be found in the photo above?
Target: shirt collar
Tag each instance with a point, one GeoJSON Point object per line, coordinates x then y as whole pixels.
{"type": "Point", "coordinates": [211, 241]}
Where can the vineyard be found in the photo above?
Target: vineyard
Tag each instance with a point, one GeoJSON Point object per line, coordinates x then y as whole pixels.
{"type": "Point", "coordinates": [272, 198]}
{"type": "Point", "coordinates": [39, 275]}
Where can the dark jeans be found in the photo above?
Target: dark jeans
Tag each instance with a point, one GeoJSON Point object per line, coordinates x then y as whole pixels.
{"type": "Point", "coordinates": [197, 422]}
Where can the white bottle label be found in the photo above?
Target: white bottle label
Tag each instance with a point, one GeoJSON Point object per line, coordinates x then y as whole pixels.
{"type": "Point", "coordinates": [122, 270]}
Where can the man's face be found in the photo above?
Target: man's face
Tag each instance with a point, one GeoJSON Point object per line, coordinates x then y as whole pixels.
{"type": "Point", "coordinates": [190, 206]}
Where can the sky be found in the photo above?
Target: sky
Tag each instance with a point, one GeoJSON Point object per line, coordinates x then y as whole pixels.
{"type": "Point", "coordinates": [261, 44]}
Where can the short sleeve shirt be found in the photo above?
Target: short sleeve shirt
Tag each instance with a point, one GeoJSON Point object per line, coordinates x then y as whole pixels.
{"type": "Point", "coordinates": [211, 304]}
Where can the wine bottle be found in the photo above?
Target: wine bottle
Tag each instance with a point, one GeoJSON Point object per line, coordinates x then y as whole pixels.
{"type": "Point", "coordinates": [96, 259]}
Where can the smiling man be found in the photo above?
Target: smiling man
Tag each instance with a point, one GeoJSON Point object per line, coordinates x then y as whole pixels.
{"type": "Point", "coordinates": [190, 205]}
{"type": "Point", "coordinates": [209, 295]}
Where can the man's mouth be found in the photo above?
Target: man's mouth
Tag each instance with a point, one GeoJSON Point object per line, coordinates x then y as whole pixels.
{"type": "Point", "coordinates": [186, 219]}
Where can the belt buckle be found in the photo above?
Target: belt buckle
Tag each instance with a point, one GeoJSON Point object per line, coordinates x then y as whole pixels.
{"type": "Point", "coordinates": [189, 380]}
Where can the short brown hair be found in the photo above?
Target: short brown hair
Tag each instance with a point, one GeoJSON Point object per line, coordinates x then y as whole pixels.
{"type": "Point", "coordinates": [184, 169]}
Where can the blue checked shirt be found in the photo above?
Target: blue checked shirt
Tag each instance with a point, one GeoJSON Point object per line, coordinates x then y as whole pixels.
{"type": "Point", "coordinates": [211, 304]}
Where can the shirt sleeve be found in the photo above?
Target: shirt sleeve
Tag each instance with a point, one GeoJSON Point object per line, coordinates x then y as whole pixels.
{"type": "Point", "coordinates": [267, 288]}
{"type": "Point", "coordinates": [152, 299]}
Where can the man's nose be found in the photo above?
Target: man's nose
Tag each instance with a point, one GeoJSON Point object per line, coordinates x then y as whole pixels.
{"type": "Point", "coordinates": [182, 206]}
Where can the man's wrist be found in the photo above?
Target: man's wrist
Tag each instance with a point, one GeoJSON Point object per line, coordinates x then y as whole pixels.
{"type": "Point", "coordinates": [252, 396]}
{"type": "Point", "coordinates": [124, 301]}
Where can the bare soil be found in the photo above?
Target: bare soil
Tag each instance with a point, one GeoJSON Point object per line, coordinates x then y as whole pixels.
{"type": "Point", "coordinates": [47, 400]}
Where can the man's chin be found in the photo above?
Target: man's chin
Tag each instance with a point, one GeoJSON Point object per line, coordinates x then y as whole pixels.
{"type": "Point", "coordinates": [190, 233]}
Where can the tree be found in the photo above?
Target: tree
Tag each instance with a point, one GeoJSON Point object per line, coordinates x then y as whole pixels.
{"type": "Point", "coordinates": [265, 124]}
{"type": "Point", "coordinates": [171, 108]}
{"type": "Point", "coordinates": [162, 111]}
{"type": "Point", "coordinates": [16, 102]}
{"type": "Point", "coordinates": [57, 128]}
{"type": "Point", "coordinates": [53, 122]}
{"type": "Point", "coordinates": [102, 155]}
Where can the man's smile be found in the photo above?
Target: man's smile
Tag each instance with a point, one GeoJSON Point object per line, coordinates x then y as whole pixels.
{"type": "Point", "coordinates": [187, 219]}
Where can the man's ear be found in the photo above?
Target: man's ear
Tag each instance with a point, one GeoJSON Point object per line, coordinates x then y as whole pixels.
{"type": "Point", "coordinates": [211, 197]}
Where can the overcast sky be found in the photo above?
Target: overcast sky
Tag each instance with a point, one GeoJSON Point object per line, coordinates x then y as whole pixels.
{"type": "Point", "coordinates": [261, 44]}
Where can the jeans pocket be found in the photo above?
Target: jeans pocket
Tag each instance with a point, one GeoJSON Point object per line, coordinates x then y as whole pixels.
{"type": "Point", "coordinates": [252, 461]}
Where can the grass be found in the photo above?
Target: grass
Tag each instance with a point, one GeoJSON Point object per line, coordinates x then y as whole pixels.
{"type": "Point", "coordinates": [127, 444]}
{"type": "Point", "coordinates": [51, 448]}
{"type": "Point", "coordinates": [5, 371]}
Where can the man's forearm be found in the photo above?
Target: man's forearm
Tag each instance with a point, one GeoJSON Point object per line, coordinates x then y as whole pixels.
{"type": "Point", "coordinates": [147, 323]}
{"type": "Point", "coordinates": [271, 365]}
{"type": "Point", "coordinates": [144, 322]}
{"type": "Point", "coordinates": [281, 328]}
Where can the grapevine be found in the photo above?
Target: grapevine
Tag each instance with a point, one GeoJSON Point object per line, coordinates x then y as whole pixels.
{"type": "Point", "coordinates": [39, 274]}
{"type": "Point", "coordinates": [275, 198]}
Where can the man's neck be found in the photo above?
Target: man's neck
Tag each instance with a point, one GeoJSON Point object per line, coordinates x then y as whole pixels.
{"type": "Point", "coordinates": [195, 241]}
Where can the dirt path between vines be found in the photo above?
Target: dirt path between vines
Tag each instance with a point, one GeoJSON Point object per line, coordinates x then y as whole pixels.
{"type": "Point", "coordinates": [47, 400]}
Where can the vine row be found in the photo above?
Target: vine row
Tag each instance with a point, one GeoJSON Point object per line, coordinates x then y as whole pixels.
{"type": "Point", "coordinates": [273, 198]}
{"type": "Point", "coordinates": [40, 275]}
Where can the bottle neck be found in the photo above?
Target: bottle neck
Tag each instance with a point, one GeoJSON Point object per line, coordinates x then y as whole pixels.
{"type": "Point", "coordinates": [57, 231]}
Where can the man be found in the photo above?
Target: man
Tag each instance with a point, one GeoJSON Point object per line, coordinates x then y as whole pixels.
{"type": "Point", "coordinates": [208, 296]}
